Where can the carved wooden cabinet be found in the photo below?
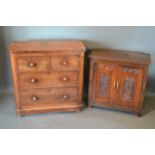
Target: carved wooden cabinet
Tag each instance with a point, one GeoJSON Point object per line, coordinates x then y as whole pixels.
{"type": "Point", "coordinates": [47, 76]}
{"type": "Point", "coordinates": [118, 79]}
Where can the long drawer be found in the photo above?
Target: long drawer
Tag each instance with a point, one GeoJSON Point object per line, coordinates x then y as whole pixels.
{"type": "Point", "coordinates": [49, 96]}
{"type": "Point", "coordinates": [53, 79]}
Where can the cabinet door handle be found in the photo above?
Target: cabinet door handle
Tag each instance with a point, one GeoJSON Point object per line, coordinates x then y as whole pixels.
{"type": "Point", "coordinates": [116, 85]}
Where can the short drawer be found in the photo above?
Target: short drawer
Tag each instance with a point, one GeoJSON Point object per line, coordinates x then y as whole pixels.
{"type": "Point", "coordinates": [53, 79]}
{"type": "Point", "coordinates": [64, 62]}
{"type": "Point", "coordinates": [49, 96]}
{"type": "Point", "coordinates": [32, 64]}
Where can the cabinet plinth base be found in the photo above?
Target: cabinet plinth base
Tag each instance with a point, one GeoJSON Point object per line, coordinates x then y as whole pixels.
{"type": "Point", "coordinates": [25, 112]}
{"type": "Point", "coordinates": [128, 110]}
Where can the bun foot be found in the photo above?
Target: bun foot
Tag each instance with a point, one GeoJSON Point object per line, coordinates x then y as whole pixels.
{"type": "Point", "coordinates": [139, 114]}
{"type": "Point", "coordinates": [19, 114]}
{"type": "Point", "coordinates": [79, 110]}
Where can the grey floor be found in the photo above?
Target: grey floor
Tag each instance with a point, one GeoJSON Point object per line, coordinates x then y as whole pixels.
{"type": "Point", "coordinates": [89, 118]}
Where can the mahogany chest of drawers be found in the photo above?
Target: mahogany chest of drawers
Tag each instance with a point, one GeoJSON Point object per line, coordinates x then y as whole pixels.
{"type": "Point", "coordinates": [118, 79]}
{"type": "Point", "coordinates": [47, 76]}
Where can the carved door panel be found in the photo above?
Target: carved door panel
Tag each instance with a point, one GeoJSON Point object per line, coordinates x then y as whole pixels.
{"type": "Point", "coordinates": [104, 83]}
{"type": "Point", "coordinates": [129, 81]}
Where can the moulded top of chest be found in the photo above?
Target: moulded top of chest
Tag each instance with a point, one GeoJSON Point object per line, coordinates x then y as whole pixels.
{"type": "Point", "coordinates": [48, 46]}
{"type": "Point", "coordinates": [121, 56]}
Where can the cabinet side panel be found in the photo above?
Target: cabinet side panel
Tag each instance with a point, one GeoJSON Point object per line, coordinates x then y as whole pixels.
{"type": "Point", "coordinates": [81, 74]}
{"type": "Point", "coordinates": [142, 89]}
{"type": "Point", "coordinates": [15, 83]}
{"type": "Point", "coordinates": [91, 71]}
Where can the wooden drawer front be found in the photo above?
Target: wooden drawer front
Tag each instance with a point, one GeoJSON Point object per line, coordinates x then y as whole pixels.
{"type": "Point", "coordinates": [43, 80]}
{"type": "Point", "coordinates": [32, 64]}
{"type": "Point", "coordinates": [49, 96]}
{"type": "Point", "coordinates": [64, 62]}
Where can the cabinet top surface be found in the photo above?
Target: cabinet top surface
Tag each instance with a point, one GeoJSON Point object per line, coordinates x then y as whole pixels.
{"type": "Point", "coordinates": [121, 56]}
{"type": "Point", "coordinates": [55, 45]}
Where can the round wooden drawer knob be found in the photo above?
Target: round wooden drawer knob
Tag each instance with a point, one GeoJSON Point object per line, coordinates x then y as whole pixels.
{"type": "Point", "coordinates": [32, 64]}
{"type": "Point", "coordinates": [33, 80]}
{"type": "Point", "coordinates": [65, 96]}
{"type": "Point", "coordinates": [64, 63]}
{"type": "Point", "coordinates": [34, 98]}
{"type": "Point", "coordinates": [65, 79]}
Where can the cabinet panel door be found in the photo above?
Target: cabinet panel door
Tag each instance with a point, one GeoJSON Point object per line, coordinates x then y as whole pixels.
{"type": "Point", "coordinates": [104, 79]}
{"type": "Point", "coordinates": [129, 80]}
